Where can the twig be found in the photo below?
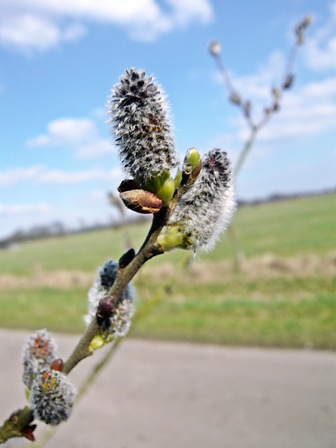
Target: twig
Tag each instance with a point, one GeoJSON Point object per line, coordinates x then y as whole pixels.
{"type": "Point", "coordinates": [245, 106]}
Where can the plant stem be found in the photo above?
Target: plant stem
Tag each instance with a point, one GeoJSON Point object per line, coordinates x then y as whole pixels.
{"type": "Point", "coordinates": [148, 250]}
{"type": "Point", "coordinates": [14, 426]}
{"type": "Point", "coordinates": [246, 149]}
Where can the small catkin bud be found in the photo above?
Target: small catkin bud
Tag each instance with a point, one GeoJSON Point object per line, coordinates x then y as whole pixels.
{"type": "Point", "coordinates": [52, 397]}
{"type": "Point", "coordinates": [120, 319]}
{"type": "Point", "coordinates": [192, 160]}
{"type": "Point", "coordinates": [235, 98]}
{"type": "Point", "coordinates": [215, 48]}
{"type": "Point", "coordinates": [300, 29]}
{"type": "Point", "coordinates": [288, 82]}
{"type": "Point", "coordinates": [39, 351]}
{"type": "Point", "coordinates": [205, 209]}
{"type": "Point", "coordinates": [141, 125]}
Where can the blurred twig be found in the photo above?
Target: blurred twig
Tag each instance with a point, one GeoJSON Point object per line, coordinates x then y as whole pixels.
{"type": "Point", "coordinates": [116, 202]}
{"type": "Point", "coordinates": [245, 105]}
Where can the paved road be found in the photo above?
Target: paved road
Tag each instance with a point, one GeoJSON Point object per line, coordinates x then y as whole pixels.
{"type": "Point", "coordinates": [167, 395]}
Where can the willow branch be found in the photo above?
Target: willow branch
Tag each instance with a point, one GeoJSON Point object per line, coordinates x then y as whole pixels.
{"type": "Point", "coordinates": [148, 250]}
{"type": "Point", "coordinates": [17, 425]}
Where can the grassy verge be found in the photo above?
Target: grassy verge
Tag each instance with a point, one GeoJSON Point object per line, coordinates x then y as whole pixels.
{"type": "Point", "coordinates": [283, 312]}
{"type": "Point", "coordinates": [286, 299]}
{"type": "Point", "coordinates": [56, 309]}
{"type": "Point", "coordinates": [277, 313]}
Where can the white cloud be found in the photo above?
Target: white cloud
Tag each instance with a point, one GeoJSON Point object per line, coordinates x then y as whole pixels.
{"type": "Point", "coordinates": [309, 110]}
{"type": "Point", "coordinates": [17, 175]}
{"type": "Point", "coordinates": [43, 175]}
{"type": "Point", "coordinates": [96, 148]}
{"type": "Point", "coordinates": [27, 32]}
{"type": "Point", "coordinates": [320, 48]}
{"type": "Point", "coordinates": [76, 177]}
{"type": "Point", "coordinates": [187, 10]}
{"type": "Point", "coordinates": [256, 87]}
{"type": "Point", "coordinates": [78, 133]}
{"type": "Point", "coordinates": [97, 198]}
{"type": "Point", "coordinates": [66, 131]}
{"type": "Point", "coordinates": [73, 32]}
{"type": "Point", "coordinates": [305, 110]}
{"type": "Point", "coordinates": [29, 25]}
{"type": "Point", "coordinates": [24, 209]}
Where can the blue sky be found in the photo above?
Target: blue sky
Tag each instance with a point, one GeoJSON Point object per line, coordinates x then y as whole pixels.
{"type": "Point", "coordinates": [60, 58]}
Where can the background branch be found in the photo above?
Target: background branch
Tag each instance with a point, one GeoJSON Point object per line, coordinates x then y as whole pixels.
{"type": "Point", "coordinates": [245, 106]}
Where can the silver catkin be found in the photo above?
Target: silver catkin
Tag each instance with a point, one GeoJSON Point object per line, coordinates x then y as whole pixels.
{"type": "Point", "coordinates": [120, 322]}
{"type": "Point", "coordinates": [52, 397]}
{"type": "Point", "coordinates": [206, 209]}
{"type": "Point", "coordinates": [38, 351]}
{"type": "Point", "coordinates": [141, 126]}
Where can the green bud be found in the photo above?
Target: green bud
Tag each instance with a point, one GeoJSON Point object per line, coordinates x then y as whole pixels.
{"type": "Point", "coordinates": [97, 342]}
{"type": "Point", "coordinates": [164, 176]}
{"type": "Point", "coordinates": [155, 183]}
{"type": "Point", "coordinates": [167, 190]}
{"type": "Point", "coordinates": [191, 166]}
{"type": "Point", "coordinates": [192, 158]}
{"type": "Point", "coordinates": [172, 238]}
{"type": "Point", "coordinates": [178, 179]}
{"type": "Point", "coordinates": [162, 186]}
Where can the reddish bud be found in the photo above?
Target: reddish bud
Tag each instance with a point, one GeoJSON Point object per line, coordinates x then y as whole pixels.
{"type": "Point", "coordinates": [106, 307]}
{"type": "Point", "coordinates": [57, 364]}
{"type": "Point", "coordinates": [28, 432]}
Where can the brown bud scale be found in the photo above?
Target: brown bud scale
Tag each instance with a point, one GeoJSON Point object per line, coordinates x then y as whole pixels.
{"type": "Point", "coordinates": [127, 184]}
{"type": "Point", "coordinates": [126, 258]}
{"type": "Point", "coordinates": [141, 201]}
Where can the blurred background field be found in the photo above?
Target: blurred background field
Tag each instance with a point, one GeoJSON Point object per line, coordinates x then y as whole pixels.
{"type": "Point", "coordinates": [284, 295]}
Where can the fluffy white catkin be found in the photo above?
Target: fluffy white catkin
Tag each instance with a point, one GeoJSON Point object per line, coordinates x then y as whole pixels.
{"type": "Point", "coordinates": [205, 210]}
{"type": "Point", "coordinates": [141, 126]}
{"type": "Point", "coordinates": [120, 322]}
{"type": "Point", "coordinates": [52, 397]}
{"type": "Point", "coordinates": [38, 351]}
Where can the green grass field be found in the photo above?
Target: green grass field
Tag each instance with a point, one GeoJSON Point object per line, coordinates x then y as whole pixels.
{"type": "Point", "coordinates": [284, 296]}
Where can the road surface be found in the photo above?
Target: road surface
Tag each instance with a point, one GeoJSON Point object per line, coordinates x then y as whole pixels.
{"type": "Point", "coordinates": [177, 395]}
